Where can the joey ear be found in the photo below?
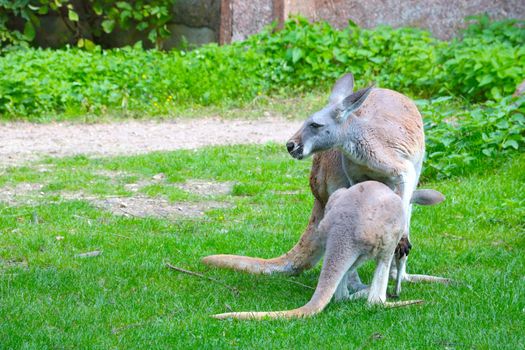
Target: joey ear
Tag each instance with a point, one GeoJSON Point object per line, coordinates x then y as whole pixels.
{"type": "Point", "coordinates": [343, 87]}
{"type": "Point", "coordinates": [354, 101]}
{"type": "Point", "coordinates": [427, 197]}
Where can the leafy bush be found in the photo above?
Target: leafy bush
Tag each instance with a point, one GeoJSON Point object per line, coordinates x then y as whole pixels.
{"type": "Point", "coordinates": [486, 64]}
{"type": "Point", "coordinates": [457, 137]}
{"type": "Point", "coordinates": [508, 31]}
{"type": "Point", "coordinates": [76, 81]}
{"type": "Point", "coordinates": [307, 55]}
{"type": "Point", "coordinates": [98, 16]}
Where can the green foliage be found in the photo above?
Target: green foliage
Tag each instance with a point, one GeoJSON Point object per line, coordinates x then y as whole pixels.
{"type": "Point", "coordinates": [481, 72]}
{"type": "Point", "coordinates": [508, 31]}
{"type": "Point", "coordinates": [459, 137]}
{"type": "Point", "coordinates": [486, 64]}
{"type": "Point", "coordinates": [98, 16]}
{"type": "Point", "coordinates": [308, 55]}
{"type": "Point", "coordinates": [20, 9]}
{"type": "Point", "coordinates": [150, 16]}
{"type": "Point", "coordinates": [77, 81]}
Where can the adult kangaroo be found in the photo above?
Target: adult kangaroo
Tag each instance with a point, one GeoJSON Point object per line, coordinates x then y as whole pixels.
{"type": "Point", "coordinates": [372, 134]}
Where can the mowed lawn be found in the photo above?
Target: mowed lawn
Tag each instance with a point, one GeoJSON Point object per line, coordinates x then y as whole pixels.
{"type": "Point", "coordinates": [126, 298]}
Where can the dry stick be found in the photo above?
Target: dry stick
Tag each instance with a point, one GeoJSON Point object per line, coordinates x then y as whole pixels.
{"type": "Point", "coordinates": [234, 290]}
{"type": "Point", "coordinates": [299, 284]}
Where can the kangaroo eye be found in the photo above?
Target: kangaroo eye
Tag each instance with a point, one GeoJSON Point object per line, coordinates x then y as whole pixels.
{"type": "Point", "coordinates": [315, 125]}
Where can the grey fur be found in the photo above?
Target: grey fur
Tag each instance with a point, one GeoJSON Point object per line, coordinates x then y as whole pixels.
{"type": "Point", "coordinates": [381, 140]}
{"type": "Point", "coordinates": [380, 134]}
{"type": "Point", "coordinates": [361, 223]}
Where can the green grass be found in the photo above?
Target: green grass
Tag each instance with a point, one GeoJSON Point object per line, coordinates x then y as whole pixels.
{"type": "Point", "coordinates": [126, 298]}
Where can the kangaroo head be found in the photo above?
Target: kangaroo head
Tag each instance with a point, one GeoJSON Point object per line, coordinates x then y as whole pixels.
{"type": "Point", "coordinates": [324, 129]}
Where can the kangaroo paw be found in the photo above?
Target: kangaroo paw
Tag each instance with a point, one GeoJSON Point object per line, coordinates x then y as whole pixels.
{"type": "Point", "coordinates": [403, 247]}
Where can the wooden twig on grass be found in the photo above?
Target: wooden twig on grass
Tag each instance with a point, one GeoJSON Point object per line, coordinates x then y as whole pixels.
{"type": "Point", "coordinates": [234, 290]}
{"type": "Point", "coordinates": [300, 284]}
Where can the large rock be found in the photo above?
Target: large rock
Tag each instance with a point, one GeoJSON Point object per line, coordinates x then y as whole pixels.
{"type": "Point", "coordinates": [193, 36]}
{"type": "Point", "coordinates": [249, 17]}
{"type": "Point", "coordinates": [198, 13]}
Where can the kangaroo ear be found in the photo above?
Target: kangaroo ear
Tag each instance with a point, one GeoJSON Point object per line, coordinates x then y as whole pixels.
{"type": "Point", "coordinates": [343, 87]}
{"type": "Point", "coordinates": [427, 197]}
{"type": "Point", "coordinates": [354, 101]}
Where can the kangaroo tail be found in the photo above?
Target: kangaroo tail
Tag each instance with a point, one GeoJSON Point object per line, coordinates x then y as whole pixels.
{"type": "Point", "coordinates": [304, 255]}
{"type": "Point", "coordinates": [251, 315]}
{"type": "Point", "coordinates": [249, 264]}
{"type": "Point", "coordinates": [395, 304]}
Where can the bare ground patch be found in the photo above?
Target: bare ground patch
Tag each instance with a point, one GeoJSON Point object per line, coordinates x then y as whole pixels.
{"type": "Point", "coordinates": [22, 142]}
{"type": "Point", "coordinates": [137, 205]}
{"type": "Point", "coordinates": [206, 187]}
{"type": "Point", "coordinates": [200, 187]}
{"type": "Point", "coordinates": [21, 193]}
{"type": "Point", "coordinates": [141, 206]}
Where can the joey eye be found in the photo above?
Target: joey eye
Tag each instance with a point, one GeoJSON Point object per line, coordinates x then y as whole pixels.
{"type": "Point", "coordinates": [314, 125]}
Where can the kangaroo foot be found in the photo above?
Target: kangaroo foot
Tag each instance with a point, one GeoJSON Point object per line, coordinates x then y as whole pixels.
{"type": "Point", "coordinates": [362, 294]}
{"type": "Point", "coordinates": [426, 278]}
{"type": "Point", "coordinates": [354, 282]}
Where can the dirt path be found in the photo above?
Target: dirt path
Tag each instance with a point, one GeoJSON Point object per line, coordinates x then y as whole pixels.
{"type": "Point", "coordinates": [21, 142]}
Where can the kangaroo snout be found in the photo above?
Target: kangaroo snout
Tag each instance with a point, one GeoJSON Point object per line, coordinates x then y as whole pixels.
{"type": "Point", "coordinates": [295, 149]}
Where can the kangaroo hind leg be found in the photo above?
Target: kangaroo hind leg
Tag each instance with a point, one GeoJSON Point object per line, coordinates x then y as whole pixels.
{"type": "Point", "coordinates": [338, 260]}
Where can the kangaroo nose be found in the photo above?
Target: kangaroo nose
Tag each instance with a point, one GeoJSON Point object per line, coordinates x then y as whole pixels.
{"type": "Point", "coordinates": [290, 146]}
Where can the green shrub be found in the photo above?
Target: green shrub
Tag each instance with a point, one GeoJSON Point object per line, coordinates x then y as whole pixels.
{"type": "Point", "coordinates": [305, 56]}
{"type": "Point", "coordinates": [75, 81]}
{"type": "Point", "coordinates": [487, 64]}
{"type": "Point", "coordinates": [482, 71]}
{"type": "Point", "coordinates": [98, 16]}
{"type": "Point", "coordinates": [458, 136]}
{"type": "Point", "coordinates": [508, 31]}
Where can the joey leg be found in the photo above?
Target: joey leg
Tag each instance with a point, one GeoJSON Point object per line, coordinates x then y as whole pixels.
{"type": "Point", "coordinates": [354, 282]}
